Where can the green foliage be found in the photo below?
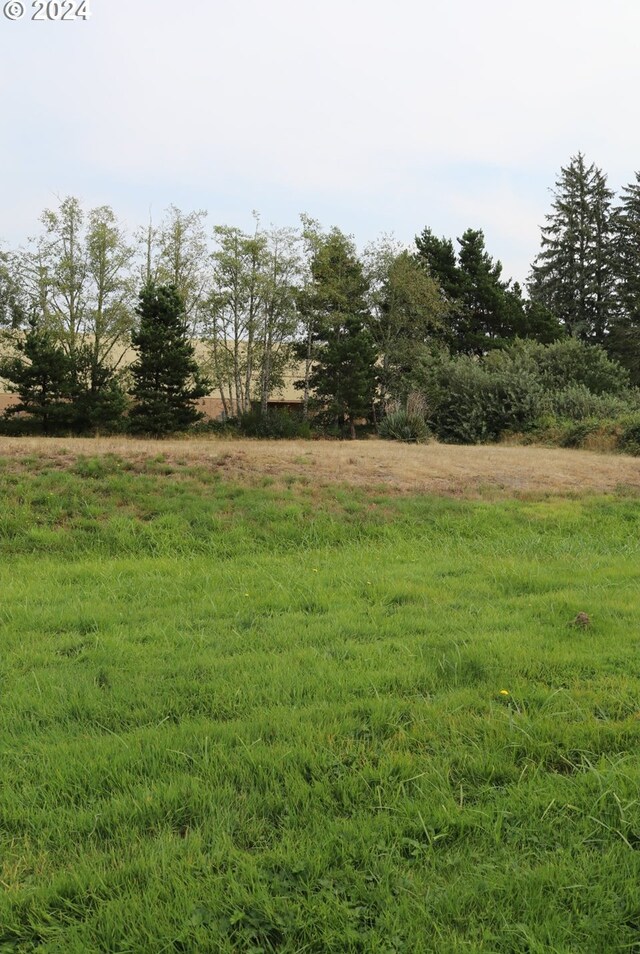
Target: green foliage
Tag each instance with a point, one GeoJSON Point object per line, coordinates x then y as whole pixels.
{"type": "Point", "coordinates": [597, 433]}
{"type": "Point", "coordinates": [570, 361]}
{"type": "Point", "coordinates": [574, 274]}
{"type": "Point", "coordinates": [234, 307]}
{"type": "Point", "coordinates": [166, 377]}
{"type": "Point", "coordinates": [274, 424]}
{"type": "Point", "coordinates": [41, 374]}
{"type": "Point", "coordinates": [539, 323]}
{"type": "Point", "coordinates": [491, 312]}
{"type": "Point", "coordinates": [236, 720]}
{"type": "Point", "coordinates": [408, 313]}
{"type": "Point", "coordinates": [98, 399]}
{"type": "Point", "coordinates": [624, 339]}
{"type": "Point", "coordinates": [577, 402]}
{"type": "Point", "coordinates": [180, 259]}
{"type": "Point", "coordinates": [402, 425]}
{"type": "Point", "coordinates": [483, 310]}
{"type": "Point", "coordinates": [343, 377]}
{"type": "Point", "coordinates": [12, 304]}
{"type": "Point", "coordinates": [574, 433]}
{"type": "Point", "coordinates": [59, 391]}
{"type": "Point", "coordinates": [439, 258]}
{"type": "Point", "coordinates": [512, 390]}
{"type": "Point", "coordinates": [472, 401]}
{"type": "Point", "coordinates": [630, 436]}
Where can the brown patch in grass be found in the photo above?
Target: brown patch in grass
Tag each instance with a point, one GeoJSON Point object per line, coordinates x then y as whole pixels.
{"type": "Point", "coordinates": [381, 466]}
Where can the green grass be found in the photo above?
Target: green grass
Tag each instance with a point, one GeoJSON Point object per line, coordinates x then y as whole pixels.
{"type": "Point", "coordinates": [253, 720]}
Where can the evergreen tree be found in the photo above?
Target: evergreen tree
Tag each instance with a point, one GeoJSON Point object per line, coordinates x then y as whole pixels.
{"type": "Point", "coordinates": [41, 374]}
{"type": "Point", "coordinates": [538, 323]}
{"type": "Point", "coordinates": [484, 311]}
{"type": "Point", "coordinates": [491, 313]}
{"type": "Point", "coordinates": [439, 256]}
{"type": "Point", "coordinates": [166, 378]}
{"type": "Point", "coordinates": [624, 340]}
{"type": "Point", "coordinates": [343, 376]}
{"type": "Point", "coordinates": [98, 398]}
{"type": "Point", "coordinates": [573, 276]}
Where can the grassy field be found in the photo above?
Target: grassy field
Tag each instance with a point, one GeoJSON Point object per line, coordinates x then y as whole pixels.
{"type": "Point", "coordinates": [271, 714]}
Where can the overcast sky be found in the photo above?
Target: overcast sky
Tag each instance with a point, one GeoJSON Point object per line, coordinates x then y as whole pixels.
{"type": "Point", "coordinates": [372, 116]}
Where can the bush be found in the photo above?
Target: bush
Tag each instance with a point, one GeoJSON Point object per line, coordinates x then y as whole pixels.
{"type": "Point", "coordinates": [577, 403]}
{"type": "Point", "coordinates": [526, 388]}
{"type": "Point", "coordinates": [473, 402]}
{"type": "Point", "coordinates": [405, 426]}
{"type": "Point", "coordinates": [574, 433]}
{"type": "Point", "coordinates": [19, 425]}
{"type": "Point", "coordinates": [629, 440]}
{"type": "Point", "coordinates": [221, 428]}
{"type": "Point", "coordinates": [604, 435]}
{"type": "Point", "coordinates": [572, 362]}
{"type": "Point", "coordinates": [276, 424]}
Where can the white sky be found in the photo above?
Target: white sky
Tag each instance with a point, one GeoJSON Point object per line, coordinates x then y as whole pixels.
{"type": "Point", "coordinates": [372, 116]}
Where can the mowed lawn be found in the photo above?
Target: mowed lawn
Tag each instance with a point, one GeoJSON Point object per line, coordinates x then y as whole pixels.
{"type": "Point", "coordinates": [282, 718]}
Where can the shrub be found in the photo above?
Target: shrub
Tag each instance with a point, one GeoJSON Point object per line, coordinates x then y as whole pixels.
{"type": "Point", "coordinates": [222, 428]}
{"type": "Point", "coordinates": [525, 388]}
{"type": "Point", "coordinates": [403, 425]}
{"type": "Point", "coordinates": [276, 424]}
{"type": "Point", "coordinates": [577, 403]}
{"type": "Point", "coordinates": [629, 440]}
{"type": "Point", "coordinates": [572, 362]}
{"type": "Point", "coordinates": [473, 402]}
{"type": "Point", "coordinates": [574, 433]}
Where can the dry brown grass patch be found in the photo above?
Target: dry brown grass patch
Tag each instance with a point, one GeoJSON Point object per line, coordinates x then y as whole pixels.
{"type": "Point", "coordinates": [450, 470]}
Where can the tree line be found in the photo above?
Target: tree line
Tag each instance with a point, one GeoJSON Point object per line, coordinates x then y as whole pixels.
{"type": "Point", "coordinates": [360, 330]}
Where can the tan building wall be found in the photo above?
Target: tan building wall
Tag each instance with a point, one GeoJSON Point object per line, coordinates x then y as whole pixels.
{"type": "Point", "coordinates": [6, 400]}
{"type": "Point", "coordinates": [211, 406]}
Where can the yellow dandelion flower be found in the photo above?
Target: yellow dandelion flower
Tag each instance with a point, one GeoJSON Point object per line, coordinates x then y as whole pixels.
{"type": "Point", "coordinates": [504, 692]}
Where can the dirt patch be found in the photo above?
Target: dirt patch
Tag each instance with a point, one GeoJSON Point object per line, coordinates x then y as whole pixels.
{"type": "Point", "coordinates": [388, 467]}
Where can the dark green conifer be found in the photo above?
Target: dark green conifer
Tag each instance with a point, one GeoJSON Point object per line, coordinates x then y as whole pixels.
{"type": "Point", "coordinates": [166, 377]}
{"type": "Point", "coordinates": [573, 275]}
{"type": "Point", "coordinates": [343, 378]}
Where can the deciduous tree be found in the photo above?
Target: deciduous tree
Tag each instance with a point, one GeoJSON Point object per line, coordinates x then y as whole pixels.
{"type": "Point", "coordinates": [78, 282]}
{"type": "Point", "coordinates": [233, 314]}
{"type": "Point", "coordinates": [407, 313]}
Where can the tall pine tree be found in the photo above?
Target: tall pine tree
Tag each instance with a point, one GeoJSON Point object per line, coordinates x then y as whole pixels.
{"type": "Point", "coordinates": [624, 340]}
{"type": "Point", "coordinates": [166, 378]}
{"type": "Point", "coordinates": [573, 275]}
{"type": "Point", "coordinates": [41, 374]}
{"type": "Point", "coordinates": [343, 376]}
{"type": "Point", "coordinates": [483, 310]}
